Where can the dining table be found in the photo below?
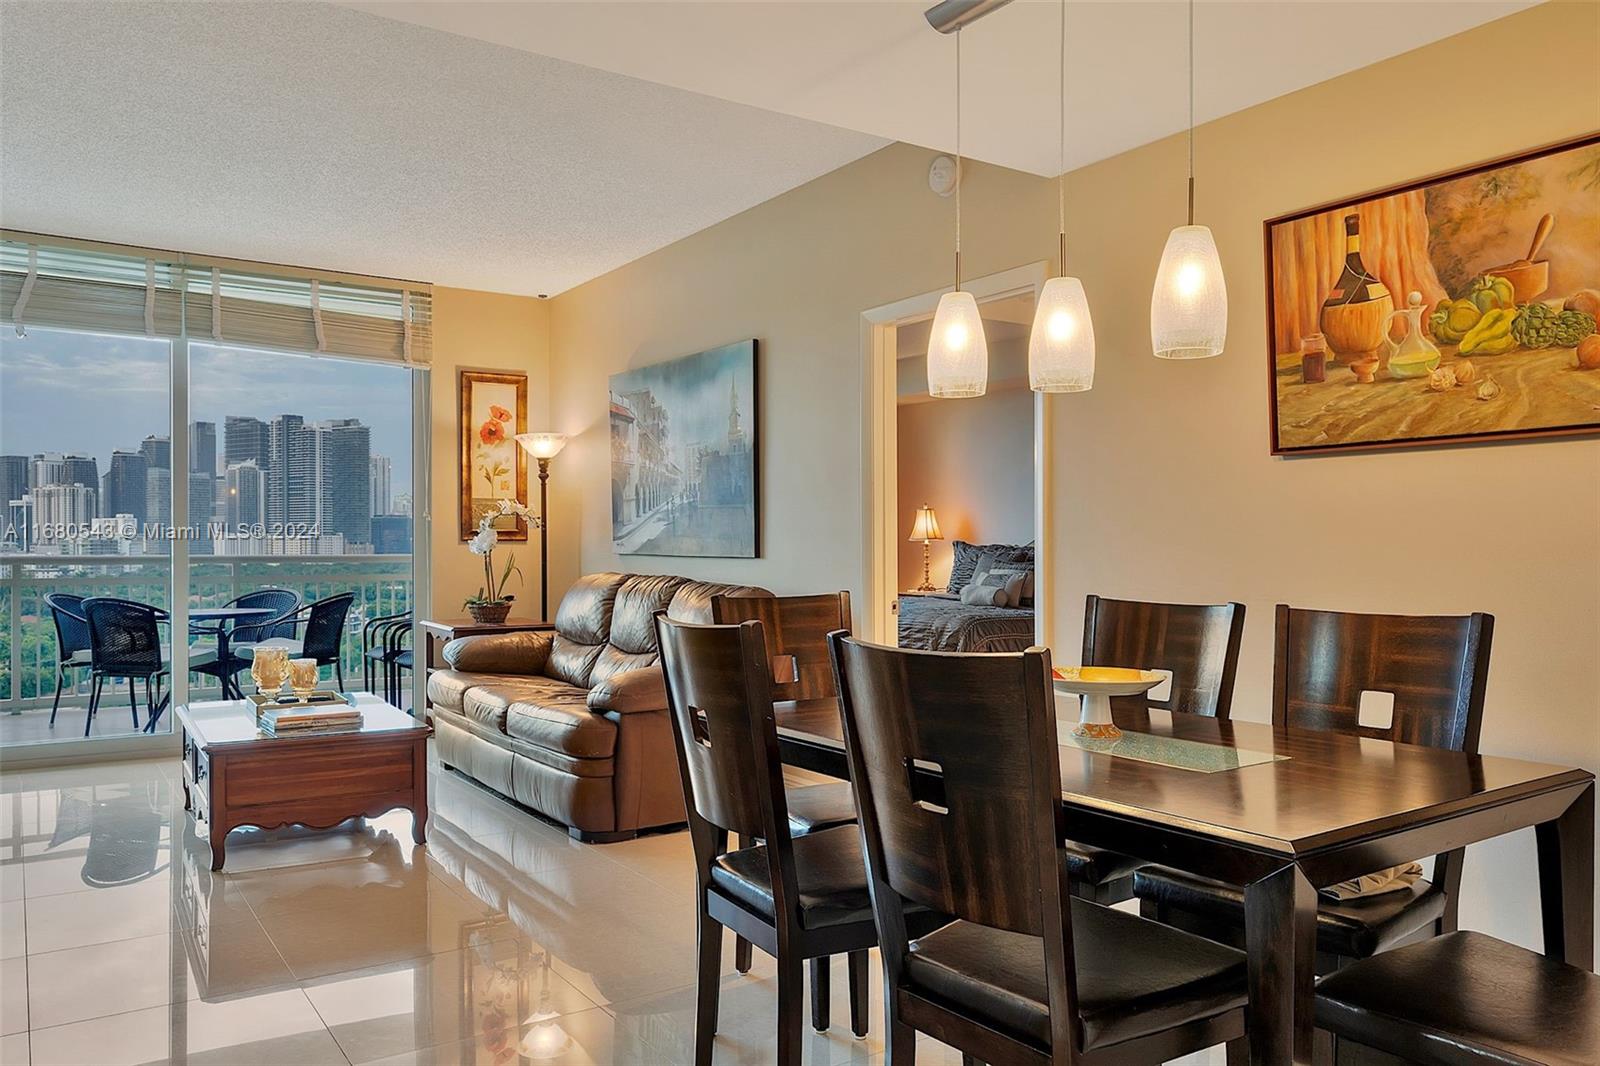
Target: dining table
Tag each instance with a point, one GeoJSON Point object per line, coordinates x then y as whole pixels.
{"type": "Point", "coordinates": [223, 618]}
{"type": "Point", "coordinates": [1281, 813]}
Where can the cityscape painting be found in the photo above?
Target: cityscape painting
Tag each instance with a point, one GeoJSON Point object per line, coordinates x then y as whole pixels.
{"type": "Point", "coordinates": [684, 459]}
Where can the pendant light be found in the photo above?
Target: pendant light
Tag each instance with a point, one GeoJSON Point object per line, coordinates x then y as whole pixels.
{"type": "Point", "coordinates": [1061, 346]}
{"type": "Point", "coordinates": [1189, 307]}
{"type": "Point", "coordinates": [958, 354]}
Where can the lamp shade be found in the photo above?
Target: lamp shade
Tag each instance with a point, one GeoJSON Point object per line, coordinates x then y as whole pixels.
{"type": "Point", "coordinates": [1061, 346]}
{"type": "Point", "coordinates": [958, 355]}
{"type": "Point", "coordinates": [926, 527]}
{"type": "Point", "coordinates": [1189, 307]}
{"type": "Point", "coordinates": [542, 445]}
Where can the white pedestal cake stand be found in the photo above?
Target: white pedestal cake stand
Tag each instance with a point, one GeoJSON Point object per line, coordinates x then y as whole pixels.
{"type": "Point", "coordinates": [1095, 718]}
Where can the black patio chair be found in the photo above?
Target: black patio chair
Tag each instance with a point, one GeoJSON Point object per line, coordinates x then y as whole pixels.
{"type": "Point", "coordinates": [383, 649]}
{"type": "Point", "coordinates": [125, 642]}
{"type": "Point", "coordinates": [322, 639]}
{"type": "Point", "coordinates": [283, 602]}
{"type": "Point", "coordinates": [72, 640]}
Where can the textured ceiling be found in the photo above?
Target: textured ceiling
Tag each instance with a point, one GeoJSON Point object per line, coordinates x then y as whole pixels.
{"type": "Point", "coordinates": [317, 135]}
{"type": "Point", "coordinates": [876, 66]}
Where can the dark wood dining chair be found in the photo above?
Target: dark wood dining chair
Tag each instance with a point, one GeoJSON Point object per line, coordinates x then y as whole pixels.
{"type": "Point", "coordinates": [958, 776]}
{"type": "Point", "coordinates": [796, 630]}
{"type": "Point", "coordinates": [1435, 668]}
{"type": "Point", "coordinates": [1198, 645]}
{"type": "Point", "coordinates": [1486, 1001]}
{"type": "Point", "coordinates": [796, 898]}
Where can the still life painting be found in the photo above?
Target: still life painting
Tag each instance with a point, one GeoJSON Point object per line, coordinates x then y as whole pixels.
{"type": "Point", "coordinates": [1460, 308]}
{"type": "Point", "coordinates": [494, 409]}
{"type": "Point", "coordinates": [684, 466]}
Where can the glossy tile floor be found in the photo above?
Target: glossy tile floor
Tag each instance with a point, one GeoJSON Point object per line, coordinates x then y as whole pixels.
{"type": "Point", "coordinates": [499, 942]}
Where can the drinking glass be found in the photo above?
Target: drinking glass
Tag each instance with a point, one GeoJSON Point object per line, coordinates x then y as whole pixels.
{"type": "Point", "coordinates": [268, 668]}
{"type": "Point", "coordinates": [303, 677]}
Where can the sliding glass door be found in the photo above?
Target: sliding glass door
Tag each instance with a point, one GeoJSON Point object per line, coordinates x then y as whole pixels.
{"type": "Point", "coordinates": [200, 440]}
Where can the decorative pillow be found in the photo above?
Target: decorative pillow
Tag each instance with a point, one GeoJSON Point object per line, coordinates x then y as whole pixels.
{"type": "Point", "coordinates": [984, 596]}
{"type": "Point", "coordinates": [993, 587]}
{"type": "Point", "coordinates": [967, 556]}
{"type": "Point", "coordinates": [1015, 580]}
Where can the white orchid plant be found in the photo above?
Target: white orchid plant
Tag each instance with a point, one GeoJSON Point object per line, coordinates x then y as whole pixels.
{"type": "Point", "coordinates": [493, 591]}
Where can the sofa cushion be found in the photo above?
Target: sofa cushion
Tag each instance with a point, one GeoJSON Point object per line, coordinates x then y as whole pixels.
{"type": "Point", "coordinates": [488, 703]}
{"type": "Point", "coordinates": [692, 602]}
{"type": "Point", "coordinates": [522, 652]}
{"type": "Point", "coordinates": [448, 688]}
{"type": "Point", "coordinates": [560, 719]}
{"type": "Point", "coordinates": [633, 626]}
{"type": "Point", "coordinates": [571, 661]}
{"type": "Point", "coordinates": [630, 691]}
{"type": "Point", "coordinates": [584, 616]}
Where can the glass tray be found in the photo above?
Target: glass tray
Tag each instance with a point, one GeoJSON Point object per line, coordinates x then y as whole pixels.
{"type": "Point", "coordinates": [1169, 751]}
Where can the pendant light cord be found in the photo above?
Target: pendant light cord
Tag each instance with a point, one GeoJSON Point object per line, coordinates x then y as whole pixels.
{"type": "Point", "coordinates": [1191, 112]}
{"type": "Point", "coordinates": [958, 160]}
{"type": "Point", "coordinates": [1061, 152]}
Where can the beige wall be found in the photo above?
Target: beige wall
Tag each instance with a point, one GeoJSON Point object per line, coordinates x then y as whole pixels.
{"type": "Point", "coordinates": [972, 462]}
{"type": "Point", "coordinates": [481, 331]}
{"type": "Point", "coordinates": [1164, 487]}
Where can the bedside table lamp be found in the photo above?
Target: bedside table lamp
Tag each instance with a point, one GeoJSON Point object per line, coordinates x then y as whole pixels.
{"type": "Point", "coordinates": [543, 447]}
{"type": "Point", "coordinates": [925, 529]}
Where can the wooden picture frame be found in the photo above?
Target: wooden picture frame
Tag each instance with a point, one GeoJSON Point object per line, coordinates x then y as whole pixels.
{"type": "Point", "coordinates": [493, 410]}
{"type": "Point", "coordinates": [1439, 237]}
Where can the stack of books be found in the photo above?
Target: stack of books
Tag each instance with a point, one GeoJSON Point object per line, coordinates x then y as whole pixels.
{"type": "Point", "coordinates": [309, 721]}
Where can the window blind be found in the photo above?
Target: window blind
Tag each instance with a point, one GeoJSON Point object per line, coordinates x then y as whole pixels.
{"type": "Point", "coordinates": [109, 289]}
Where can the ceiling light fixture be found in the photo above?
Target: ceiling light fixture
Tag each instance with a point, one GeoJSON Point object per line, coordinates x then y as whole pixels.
{"type": "Point", "coordinates": [1061, 346]}
{"type": "Point", "coordinates": [958, 354]}
{"type": "Point", "coordinates": [1189, 306]}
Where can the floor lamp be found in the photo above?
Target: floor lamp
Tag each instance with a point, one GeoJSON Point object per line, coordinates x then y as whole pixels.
{"type": "Point", "coordinates": [543, 447]}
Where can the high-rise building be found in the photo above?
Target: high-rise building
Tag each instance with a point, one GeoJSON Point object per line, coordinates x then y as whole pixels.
{"type": "Point", "coordinates": [157, 452]}
{"type": "Point", "coordinates": [244, 440]}
{"type": "Point", "coordinates": [202, 449]}
{"type": "Point", "coordinates": [291, 472]}
{"type": "Point", "coordinates": [19, 525]}
{"type": "Point", "coordinates": [391, 534]}
{"type": "Point", "coordinates": [246, 496]}
{"type": "Point", "coordinates": [402, 503]}
{"type": "Point", "coordinates": [123, 487]}
{"type": "Point", "coordinates": [344, 477]}
{"type": "Point", "coordinates": [62, 513]}
{"type": "Point", "coordinates": [382, 484]}
{"type": "Point", "coordinates": [158, 494]}
{"type": "Point", "coordinates": [219, 500]}
{"type": "Point", "coordinates": [201, 486]}
{"type": "Point", "coordinates": [13, 478]}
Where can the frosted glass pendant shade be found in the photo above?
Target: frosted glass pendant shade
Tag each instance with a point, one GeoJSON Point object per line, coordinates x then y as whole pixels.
{"type": "Point", "coordinates": [958, 354]}
{"type": "Point", "coordinates": [1189, 307]}
{"type": "Point", "coordinates": [1061, 346]}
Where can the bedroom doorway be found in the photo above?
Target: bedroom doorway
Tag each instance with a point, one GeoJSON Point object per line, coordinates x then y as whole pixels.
{"type": "Point", "coordinates": [980, 465]}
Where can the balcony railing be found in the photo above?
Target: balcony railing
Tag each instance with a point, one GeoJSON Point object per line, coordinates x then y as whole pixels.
{"type": "Point", "coordinates": [382, 584]}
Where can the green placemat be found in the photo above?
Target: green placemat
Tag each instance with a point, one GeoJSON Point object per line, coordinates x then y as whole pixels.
{"type": "Point", "coordinates": [1170, 751]}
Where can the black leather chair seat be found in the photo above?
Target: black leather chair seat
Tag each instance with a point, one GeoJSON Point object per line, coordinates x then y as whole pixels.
{"type": "Point", "coordinates": [816, 807]}
{"type": "Point", "coordinates": [830, 869]}
{"type": "Point", "coordinates": [1354, 928]}
{"type": "Point", "coordinates": [1466, 998]}
{"type": "Point", "coordinates": [1135, 977]}
{"type": "Point", "coordinates": [1097, 866]}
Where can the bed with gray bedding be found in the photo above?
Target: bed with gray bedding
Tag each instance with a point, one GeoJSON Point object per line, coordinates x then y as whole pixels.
{"type": "Point", "coordinates": [943, 623]}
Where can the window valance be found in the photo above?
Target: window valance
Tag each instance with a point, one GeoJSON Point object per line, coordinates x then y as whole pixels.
{"type": "Point", "coordinates": [69, 284]}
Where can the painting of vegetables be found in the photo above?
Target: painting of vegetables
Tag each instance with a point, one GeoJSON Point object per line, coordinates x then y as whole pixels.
{"type": "Point", "coordinates": [494, 409]}
{"type": "Point", "coordinates": [1459, 308]}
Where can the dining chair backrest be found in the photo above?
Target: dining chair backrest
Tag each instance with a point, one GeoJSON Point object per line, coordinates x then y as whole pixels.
{"type": "Point", "coordinates": [324, 635]}
{"type": "Point", "coordinates": [796, 629]}
{"type": "Point", "coordinates": [719, 696]}
{"type": "Point", "coordinates": [1197, 644]}
{"type": "Point", "coordinates": [72, 626]}
{"type": "Point", "coordinates": [282, 602]}
{"type": "Point", "coordinates": [1436, 668]}
{"type": "Point", "coordinates": [124, 637]}
{"type": "Point", "coordinates": [957, 776]}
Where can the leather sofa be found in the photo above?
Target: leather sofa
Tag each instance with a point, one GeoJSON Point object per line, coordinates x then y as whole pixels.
{"type": "Point", "coordinates": [573, 722]}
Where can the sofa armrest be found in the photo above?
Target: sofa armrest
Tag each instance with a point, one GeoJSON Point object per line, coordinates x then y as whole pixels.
{"type": "Point", "coordinates": [630, 692]}
{"type": "Point", "coordinates": [521, 652]}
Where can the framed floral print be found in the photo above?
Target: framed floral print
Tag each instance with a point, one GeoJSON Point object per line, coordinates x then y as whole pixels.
{"type": "Point", "coordinates": [494, 409]}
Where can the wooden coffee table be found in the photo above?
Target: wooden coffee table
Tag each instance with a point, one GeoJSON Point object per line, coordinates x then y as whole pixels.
{"type": "Point", "coordinates": [234, 775]}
